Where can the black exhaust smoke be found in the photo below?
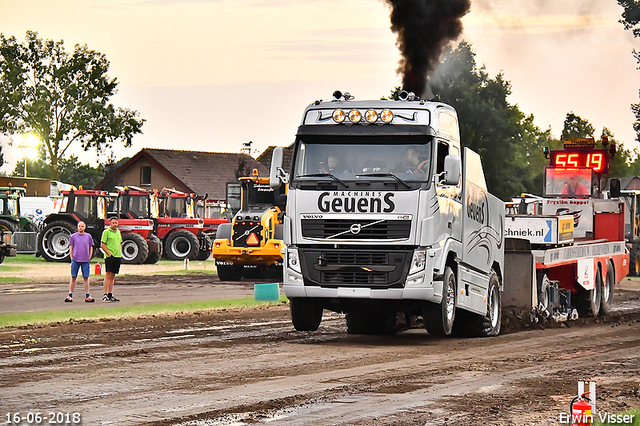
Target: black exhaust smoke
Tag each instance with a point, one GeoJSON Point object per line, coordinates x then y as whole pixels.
{"type": "Point", "coordinates": [424, 29]}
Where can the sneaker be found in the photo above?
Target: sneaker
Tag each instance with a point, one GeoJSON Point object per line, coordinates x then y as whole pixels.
{"type": "Point", "coordinates": [105, 298]}
{"type": "Point", "coordinates": [89, 299]}
{"type": "Point", "coordinates": [113, 299]}
{"type": "Point", "coordinates": [68, 299]}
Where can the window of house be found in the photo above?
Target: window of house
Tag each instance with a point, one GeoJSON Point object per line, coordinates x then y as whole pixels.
{"type": "Point", "coordinates": [145, 175]}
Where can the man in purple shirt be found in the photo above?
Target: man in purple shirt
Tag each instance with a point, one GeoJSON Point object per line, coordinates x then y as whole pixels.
{"type": "Point", "coordinates": [81, 251]}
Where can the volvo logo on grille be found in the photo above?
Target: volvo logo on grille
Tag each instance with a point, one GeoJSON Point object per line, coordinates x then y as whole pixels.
{"type": "Point", "coordinates": [355, 228]}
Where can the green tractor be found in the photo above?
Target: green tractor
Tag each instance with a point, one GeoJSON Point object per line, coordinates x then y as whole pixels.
{"type": "Point", "coordinates": [10, 219]}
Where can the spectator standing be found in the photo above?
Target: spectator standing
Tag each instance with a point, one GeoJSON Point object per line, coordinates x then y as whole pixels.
{"type": "Point", "coordinates": [80, 251]}
{"type": "Point", "coordinates": [110, 243]}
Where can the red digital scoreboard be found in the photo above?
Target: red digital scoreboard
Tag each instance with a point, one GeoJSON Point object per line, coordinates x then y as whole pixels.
{"type": "Point", "coordinates": [596, 159]}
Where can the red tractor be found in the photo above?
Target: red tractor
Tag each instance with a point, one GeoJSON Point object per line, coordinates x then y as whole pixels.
{"type": "Point", "coordinates": [139, 244]}
{"type": "Point", "coordinates": [181, 233]}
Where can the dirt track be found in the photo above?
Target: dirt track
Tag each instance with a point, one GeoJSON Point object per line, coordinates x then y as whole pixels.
{"type": "Point", "coordinates": [249, 366]}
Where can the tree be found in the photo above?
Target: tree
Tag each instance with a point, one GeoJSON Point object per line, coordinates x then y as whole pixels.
{"type": "Point", "coordinates": [507, 140]}
{"type": "Point", "coordinates": [70, 171]}
{"type": "Point", "coordinates": [631, 21]}
{"type": "Point", "coordinates": [576, 127]}
{"type": "Point", "coordinates": [61, 97]}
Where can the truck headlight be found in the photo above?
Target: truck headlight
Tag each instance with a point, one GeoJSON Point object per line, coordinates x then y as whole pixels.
{"type": "Point", "coordinates": [418, 261]}
{"type": "Point", "coordinates": [293, 261]}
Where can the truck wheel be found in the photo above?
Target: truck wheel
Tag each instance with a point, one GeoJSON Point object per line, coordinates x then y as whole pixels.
{"type": "Point", "coordinates": [134, 249]}
{"type": "Point", "coordinates": [607, 290]}
{"type": "Point", "coordinates": [439, 318]}
{"type": "Point", "coordinates": [544, 294]}
{"type": "Point", "coordinates": [53, 241]}
{"type": "Point", "coordinates": [489, 324]}
{"type": "Point", "coordinates": [229, 272]}
{"type": "Point", "coordinates": [588, 301]}
{"type": "Point", "coordinates": [7, 226]}
{"type": "Point", "coordinates": [469, 324]}
{"type": "Point", "coordinates": [306, 314]}
{"type": "Point", "coordinates": [371, 322]}
{"type": "Point", "coordinates": [181, 245]}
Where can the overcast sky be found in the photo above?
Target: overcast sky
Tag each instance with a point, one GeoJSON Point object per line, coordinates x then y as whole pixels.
{"type": "Point", "coordinates": [211, 75]}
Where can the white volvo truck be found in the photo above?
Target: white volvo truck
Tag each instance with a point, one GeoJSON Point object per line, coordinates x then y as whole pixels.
{"type": "Point", "coordinates": [387, 217]}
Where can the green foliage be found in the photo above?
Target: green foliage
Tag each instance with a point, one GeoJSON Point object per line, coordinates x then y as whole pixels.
{"type": "Point", "coordinates": [70, 170]}
{"type": "Point", "coordinates": [631, 21]}
{"type": "Point", "coordinates": [61, 97]}
{"type": "Point", "coordinates": [509, 143]}
{"type": "Point", "coordinates": [576, 127]}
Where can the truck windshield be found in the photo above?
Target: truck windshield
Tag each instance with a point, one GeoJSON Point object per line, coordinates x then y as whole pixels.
{"type": "Point", "coordinates": [407, 158]}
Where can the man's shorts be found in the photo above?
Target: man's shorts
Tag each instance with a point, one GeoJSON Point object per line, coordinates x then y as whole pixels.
{"type": "Point", "coordinates": [112, 264]}
{"type": "Point", "coordinates": [77, 265]}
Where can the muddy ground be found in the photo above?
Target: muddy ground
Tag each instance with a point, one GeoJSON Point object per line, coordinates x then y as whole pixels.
{"type": "Point", "coordinates": [249, 366]}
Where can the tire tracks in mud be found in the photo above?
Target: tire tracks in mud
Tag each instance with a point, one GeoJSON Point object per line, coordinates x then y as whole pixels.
{"type": "Point", "coordinates": [223, 369]}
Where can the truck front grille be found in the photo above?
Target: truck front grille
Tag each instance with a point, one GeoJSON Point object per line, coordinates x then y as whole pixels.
{"type": "Point", "coordinates": [350, 229]}
{"type": "Point", "coordinates": [361, 267]}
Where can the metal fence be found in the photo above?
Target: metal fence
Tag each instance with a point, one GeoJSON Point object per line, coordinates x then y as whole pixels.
{"type": "Point", "coordinates": [26, 242]}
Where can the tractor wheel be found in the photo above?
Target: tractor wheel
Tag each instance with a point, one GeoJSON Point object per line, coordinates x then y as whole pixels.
{"type": "Point", "coordinates": [30, 227]}
{"type": "Point", "coordinates": [134, 249]}
{"type": "Point", "coordinates": [181, 245]}
{"type": "Point", "coordinates": [306, 313]}
{"type": "Point", "coordinates": [8, 226]}
{"type": "Point", "coordinates": [204, 254]}
{"type": "Point", "coordinates": [439, 318]}
{"type": "Point", "coordinates": [229, 272]}
{"type": "Point", "coordinates": [156, 255]}
{"type": "Point", "coordinates": [589, 301]}
{"type": "Point", "coordinates": [607, 290]}
{"type": "Point", "coordinates": [53, 241]}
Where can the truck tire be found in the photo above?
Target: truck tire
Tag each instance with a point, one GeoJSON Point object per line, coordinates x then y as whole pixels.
{"type": "Point", "coordinates": [230, 272]}
{"type": "Point", "coordinates": [306, 313]}
{"type": "Point", "coordinates": [181, 245]}
{"type": "Point", "coordinates": [544, 294]}
{"type": "Point", "coordinates": [588, 301]}
{"type": "Point", "coordinates": [439, 317]}
{"type": "Point", "coordinates": [607, 290]}
{"type": "Point", "coordinates": [134, 249]}
{"type": "Point", "coordinates": [377, 323]}
{"type": "Point", "coordinates": [153, 257]}
{"type": "Point", "coordinates": [469, 324]}
{"type": "Point", "coordinates": [8, 226]}
{"type": "Point", "coordinates": [53, 241]}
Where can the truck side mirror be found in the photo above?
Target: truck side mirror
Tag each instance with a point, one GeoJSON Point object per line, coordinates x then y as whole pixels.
{"type": "Point", "coordinates": [451, 170]}
{"type": "Point", "coordinates": [277, 160]}
{"type": "Point", "coordinates": [614, 188]}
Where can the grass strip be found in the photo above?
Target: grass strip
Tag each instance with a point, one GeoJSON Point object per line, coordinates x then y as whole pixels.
{"type": "Point", "coordinates": [113, 311]}
{"type": "Point", "coordinates": [5, 268]}
{"type": "Point", "coordinates": [4, 280]}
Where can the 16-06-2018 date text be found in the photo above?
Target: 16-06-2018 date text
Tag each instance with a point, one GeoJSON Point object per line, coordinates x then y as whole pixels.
{"type": "Point", "coordinates": [40, 418]}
